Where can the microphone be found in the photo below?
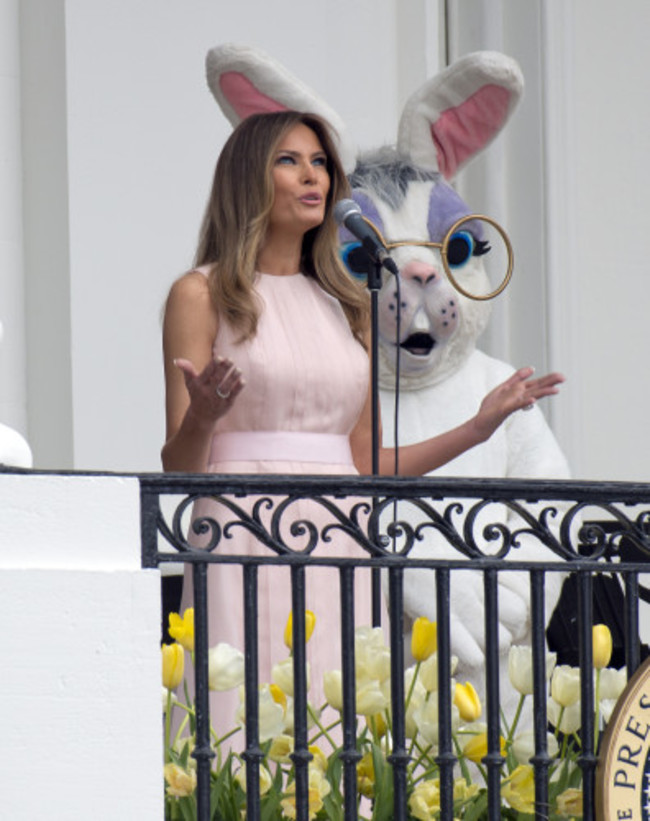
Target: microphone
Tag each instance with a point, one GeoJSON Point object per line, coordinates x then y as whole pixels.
{"type": "Point", "coordinates": [348, 213]}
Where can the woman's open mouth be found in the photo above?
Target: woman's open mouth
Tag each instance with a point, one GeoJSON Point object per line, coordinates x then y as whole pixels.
{"type": "Point", "coordinates": [419, 344]}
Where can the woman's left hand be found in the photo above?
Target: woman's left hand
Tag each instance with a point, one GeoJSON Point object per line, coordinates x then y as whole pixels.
{"type": "Point", "coordinates": [519, 392]}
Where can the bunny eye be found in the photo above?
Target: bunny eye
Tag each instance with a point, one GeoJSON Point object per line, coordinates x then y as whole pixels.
{"type": "Point", "coordinates": [460, 248]}
{"type": "Point", "coordinates": [356, 259]}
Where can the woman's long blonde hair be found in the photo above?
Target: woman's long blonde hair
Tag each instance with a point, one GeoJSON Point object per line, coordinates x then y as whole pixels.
{"type": "Point", "coordinates": [236, 219]}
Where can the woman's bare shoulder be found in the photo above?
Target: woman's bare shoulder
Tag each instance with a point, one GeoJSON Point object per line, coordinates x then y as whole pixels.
{"type": "Point", "coordinates": [190, 301]}
{"type": "Point", "coordinates": [190, 285]}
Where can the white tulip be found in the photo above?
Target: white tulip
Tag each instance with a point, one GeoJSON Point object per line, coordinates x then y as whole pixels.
{"type": "Point", "coordinates": [333, 688]}
{"type": "Point", "coordinates": [523, 746]}
{"type": "Point", "coordinates": [612, 682]}
{"type": "Point", "coordinates": [565, 685]}
{"type": "Point", "coordinates": [571, 716]}
{"type": "Point", "coordinates": [271, 714]}
{"type": "Point", "coordinates": [225, 667]}
{"type": "Point", "coordinates": [282, 675]}
{"type": "Point", "coordinates": [520, 668]}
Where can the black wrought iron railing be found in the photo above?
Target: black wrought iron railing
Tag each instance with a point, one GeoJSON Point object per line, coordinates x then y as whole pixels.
{"type": "Point", "coordinates": [445, 529]}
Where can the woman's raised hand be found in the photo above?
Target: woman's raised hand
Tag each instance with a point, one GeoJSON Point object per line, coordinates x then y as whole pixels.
{"type": "Point", "coordinates": [519, 392]}
{"type": "Point", "coordinates": [213, 391]}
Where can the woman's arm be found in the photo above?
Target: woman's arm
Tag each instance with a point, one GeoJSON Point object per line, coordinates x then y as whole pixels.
{"type": "Point", "coordinates": [192, 376]}
{"type": "Point", "coordinates": [516, 393]}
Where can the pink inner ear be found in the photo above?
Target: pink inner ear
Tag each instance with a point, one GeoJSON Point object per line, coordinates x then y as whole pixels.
{"type": "Point", "coordinates": [461, 132]}
{"type": "Point", "coordinates": [244, 97]}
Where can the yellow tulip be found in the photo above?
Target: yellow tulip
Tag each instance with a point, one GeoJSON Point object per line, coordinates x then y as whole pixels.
{"type": "Point", "coordinates": [173, 664]}
{"type": "Point", "coordinates": [468, 703]}
{"type": "Point", "coordinates": [464, 791]}
{"type": "Point", "coordinates": [377, 725]}
{"type": "Point", "coordinates": [569, 803]}
{"type": "Point", "coordinates": [180, 782]}
{"type": "Point", "coordinates": [281, 748]}
{"type": "Point", "coordinates": [476, 748]}
{"type": "Point", "coordinates": [602, 645]}
{"type": "Point", "coordinates": [320, 759]}
{"type": "Point", "coordinates": [366, 776]}
{"type": "Point", "coordinates": [424, 638]}
{"type": "Point", "coordinates": [182, 629]}
{"type": "Point", "coordinates": [424, 802]}
{"type": "Point", "coordinates": [265, 778]}
{"type": "Point", "coordinates": [318, 788]}
{"type": "Point", "coordinates": [279, 696]}
{"type": "Point", "coordinates": [310, 623]}
{"type": "Point", "coordinates": [425, 798]}
{"type": "Point", "coordinates": [519, 789]}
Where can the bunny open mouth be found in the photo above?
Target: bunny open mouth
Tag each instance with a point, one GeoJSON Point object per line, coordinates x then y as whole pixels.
{"type": "Point", "coordinates": [419, 344]}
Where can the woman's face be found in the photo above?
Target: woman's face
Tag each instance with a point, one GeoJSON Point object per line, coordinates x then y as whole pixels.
{"type": "Point", "coordinates": [300, 182]}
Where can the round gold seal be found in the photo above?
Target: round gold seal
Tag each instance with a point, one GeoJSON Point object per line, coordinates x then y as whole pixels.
{"type": "Point", "coordinates": [623, 771]}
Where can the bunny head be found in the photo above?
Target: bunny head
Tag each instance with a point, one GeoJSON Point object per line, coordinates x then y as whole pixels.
{"type": "Point", "coordinates": [405, 192]}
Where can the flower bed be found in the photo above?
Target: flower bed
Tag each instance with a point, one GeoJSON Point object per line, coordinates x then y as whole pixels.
{"type": "Point", "coordinates": [374, 737]}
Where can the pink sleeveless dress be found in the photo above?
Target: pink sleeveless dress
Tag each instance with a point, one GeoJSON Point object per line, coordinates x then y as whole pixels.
{"type": "Point", "coordinates": [306, 384]}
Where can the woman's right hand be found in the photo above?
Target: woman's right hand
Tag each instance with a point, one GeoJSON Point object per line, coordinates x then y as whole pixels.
{"type": "Point", "coordinates": [213, 391]}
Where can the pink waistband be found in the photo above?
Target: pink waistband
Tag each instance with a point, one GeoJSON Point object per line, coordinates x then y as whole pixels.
{"type": "Point", "coordinates": [281, 446]}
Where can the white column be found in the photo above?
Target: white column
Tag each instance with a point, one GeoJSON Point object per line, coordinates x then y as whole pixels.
{"type": "Point", "coordinates": [12, 345]}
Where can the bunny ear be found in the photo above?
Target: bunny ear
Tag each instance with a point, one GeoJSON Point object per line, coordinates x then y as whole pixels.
{"type": "Point", "coordinates": [457, 113]}
{"type": "Point", "coordinates": [246, 81]}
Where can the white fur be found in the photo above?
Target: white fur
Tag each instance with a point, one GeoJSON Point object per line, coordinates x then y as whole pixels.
{"type": "Point", "coordinates": [523, 447]}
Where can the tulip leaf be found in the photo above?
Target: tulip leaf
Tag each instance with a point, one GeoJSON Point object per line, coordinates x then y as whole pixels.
{"type": "Point", "coordinates": [226, 796]}
{"type": "Point", "coordinates": [382, 809]}
{"type": "Point", "coordinates": [187, 808]}
{"type": "Point", "coordinates": [477, 809]}
{"type": "Point", "coordinates": [333, 807]}
{"type": "Point", "coordinates": [270, 805]}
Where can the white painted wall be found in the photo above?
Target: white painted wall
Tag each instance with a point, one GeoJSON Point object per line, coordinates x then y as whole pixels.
{"type": "Point", "coordinates": [81, 682]}
{"type": "Point", "coordinates": [142, 136]}
{"type": "Point", "coordinates": [568, 178]}
{"type": "Point", "coordinates": [120, 136]}
{"type": "Point", "coordinates": [612, 219]}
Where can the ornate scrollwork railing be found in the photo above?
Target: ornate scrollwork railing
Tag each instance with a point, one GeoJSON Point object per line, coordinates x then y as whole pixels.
{"type": "Point", "coordinates": [567, 520]}
{"type": "Point", "coordinates": [400, 525]}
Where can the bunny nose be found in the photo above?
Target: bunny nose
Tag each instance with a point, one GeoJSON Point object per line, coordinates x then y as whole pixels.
{"type": "Point", "coordinates": [420, 322]}
{"type": "Point", "coordinates": [420, 272]}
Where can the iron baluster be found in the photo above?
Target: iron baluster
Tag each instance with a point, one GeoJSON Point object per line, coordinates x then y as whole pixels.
{"type": "Point", "coordinates": [253, 754]}
{"type": "Point", "coordinates": [541, 760]}
{"type": "Point", "coordinates": [445, 758]}
{"type": "Point", "coordinates": [349, 754]}
{"type": "Point", "coordinates": [202, 752]}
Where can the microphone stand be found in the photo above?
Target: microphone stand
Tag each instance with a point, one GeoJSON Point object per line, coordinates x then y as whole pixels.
{"type": "Point", "coordinates": [374, 286]}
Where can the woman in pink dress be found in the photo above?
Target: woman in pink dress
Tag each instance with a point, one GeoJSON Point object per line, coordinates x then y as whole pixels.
{"type": "Point", "coordinates": [266, 366]}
